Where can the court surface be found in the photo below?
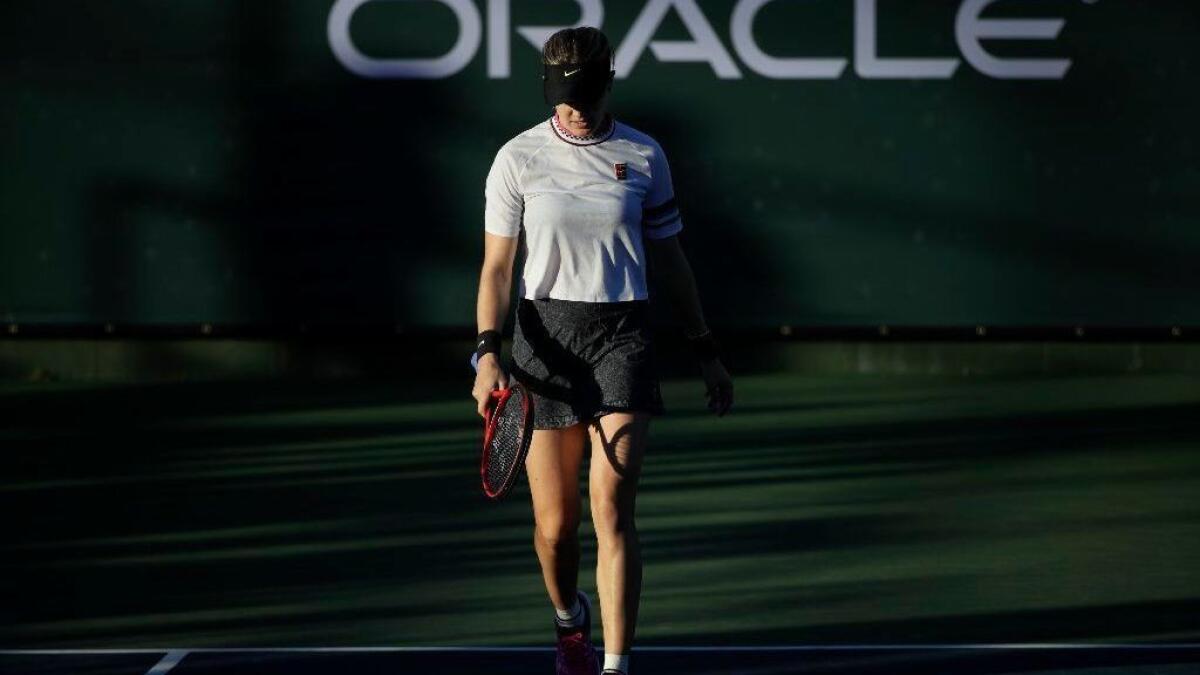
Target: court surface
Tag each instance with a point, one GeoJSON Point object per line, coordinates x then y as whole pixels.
{"type": "Point", "coordinates": [861, 511]}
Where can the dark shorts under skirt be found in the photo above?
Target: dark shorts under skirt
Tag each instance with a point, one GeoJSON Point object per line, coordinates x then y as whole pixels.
{"type": "Point", "coordinates": [580, 359]}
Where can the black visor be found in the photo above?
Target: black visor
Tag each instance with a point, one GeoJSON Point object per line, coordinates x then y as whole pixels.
{"type": "Point", "coordinates": [577, 85]}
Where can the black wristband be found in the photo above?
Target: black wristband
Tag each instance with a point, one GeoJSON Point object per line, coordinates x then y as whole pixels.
{"type": "Point", "coordinates": [704, 346]}
{"type": "Point", "coordinates": [487, 342]}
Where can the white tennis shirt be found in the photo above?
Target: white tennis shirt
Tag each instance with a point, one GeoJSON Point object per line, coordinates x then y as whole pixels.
{"type": "Point", "coordinates": [584, 205]}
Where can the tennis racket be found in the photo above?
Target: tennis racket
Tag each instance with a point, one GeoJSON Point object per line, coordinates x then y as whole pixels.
{"type": "Point", "coordinates": [507, 430]}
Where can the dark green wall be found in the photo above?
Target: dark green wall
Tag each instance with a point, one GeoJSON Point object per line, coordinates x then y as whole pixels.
{"type": "Point", "coordinates": [213, 161]}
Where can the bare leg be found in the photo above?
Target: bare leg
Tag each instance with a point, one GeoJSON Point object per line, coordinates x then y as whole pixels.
{"type": "Point", "coordinates": [552, 465]}
{"type": "Point", "coordinates": [618, 444]}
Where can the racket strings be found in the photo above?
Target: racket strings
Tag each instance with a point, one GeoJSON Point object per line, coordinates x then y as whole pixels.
{"type": "Point", "coordinates": [506, 441]}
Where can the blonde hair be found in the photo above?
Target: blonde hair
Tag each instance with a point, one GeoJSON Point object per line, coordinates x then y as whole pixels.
{"type": "Point", "coordinates": [584, 45]}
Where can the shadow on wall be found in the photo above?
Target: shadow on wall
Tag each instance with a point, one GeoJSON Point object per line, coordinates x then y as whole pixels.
{"type": "Point", "coordinates": [322, 219]}
{"type": "Point", "coordinates": [329, 222]}
{"type": "Point", "coordinates": [727, 258]}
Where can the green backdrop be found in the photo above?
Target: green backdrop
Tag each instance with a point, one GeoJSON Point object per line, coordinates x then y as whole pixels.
{"type": "Point", "coordinates": [216, 161]}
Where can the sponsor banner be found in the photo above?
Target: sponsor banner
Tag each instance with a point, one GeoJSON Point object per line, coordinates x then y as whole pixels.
{"type": "Point", "coordinates": [836, 162]}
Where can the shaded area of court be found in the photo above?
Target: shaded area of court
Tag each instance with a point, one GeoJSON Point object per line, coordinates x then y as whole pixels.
{"type": "Point", "coordinates": [1166, 660]}
{"type": "Point", "coordinates": [823, 510]}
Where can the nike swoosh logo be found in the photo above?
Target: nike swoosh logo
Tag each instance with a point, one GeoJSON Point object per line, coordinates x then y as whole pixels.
{"type": "Point", "coordinates": [571, 72]}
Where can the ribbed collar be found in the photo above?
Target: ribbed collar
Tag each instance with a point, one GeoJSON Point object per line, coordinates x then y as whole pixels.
{"type": "Point", "coordinates": [598, 136]}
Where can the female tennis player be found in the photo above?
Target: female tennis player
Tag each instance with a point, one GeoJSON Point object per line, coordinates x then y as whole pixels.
{"type": "Point", "coordinates": [594, 200]}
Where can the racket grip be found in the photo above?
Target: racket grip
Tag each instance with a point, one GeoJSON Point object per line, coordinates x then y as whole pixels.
{"type": "Point", "coordinates": [507, 374]}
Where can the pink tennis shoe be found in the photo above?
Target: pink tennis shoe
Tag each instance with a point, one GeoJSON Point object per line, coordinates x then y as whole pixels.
{"type": "Point", "coordinates": [576, 655]}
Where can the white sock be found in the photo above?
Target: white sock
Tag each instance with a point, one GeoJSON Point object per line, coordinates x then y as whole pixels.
{"type": "Point", "coordinates": [572, 616]}
{"type": "Point", "coordinates": [618, 662]}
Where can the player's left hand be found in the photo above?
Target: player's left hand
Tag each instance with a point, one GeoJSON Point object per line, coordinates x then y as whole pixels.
{"type": "Point", "coordinates": [718, 386]}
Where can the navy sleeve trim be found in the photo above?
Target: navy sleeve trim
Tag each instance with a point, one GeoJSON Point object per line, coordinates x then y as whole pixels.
{"type": "Point", "coordinates": [655, 226]}
{"type": "Point", "coordinates": [661, 209]}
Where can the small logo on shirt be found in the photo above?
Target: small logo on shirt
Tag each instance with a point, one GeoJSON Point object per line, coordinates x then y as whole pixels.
{"type": "Point", "coordinates": [571, 72]}
{"type": "Point", "coordinates": [619, 167]}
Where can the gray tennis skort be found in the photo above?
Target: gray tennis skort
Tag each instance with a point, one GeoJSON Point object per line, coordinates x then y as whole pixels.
{"type": "Point", "coordinates": [580, 359]}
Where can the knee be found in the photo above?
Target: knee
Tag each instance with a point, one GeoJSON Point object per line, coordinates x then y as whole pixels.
{"type": "Point", "coordinates": [611, 517]}
{"type": "Point", "coordinates": [557, 531]}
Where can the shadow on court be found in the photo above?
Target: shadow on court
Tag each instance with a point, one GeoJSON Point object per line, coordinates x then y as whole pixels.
{"type": "Point", "coordinates": [856, 510]}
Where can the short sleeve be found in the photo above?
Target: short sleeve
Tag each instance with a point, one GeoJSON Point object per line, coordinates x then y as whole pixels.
{"type": "Point", "coordinates": [660, 213]}
{"type": "Point", "coordinates": [504, 207]}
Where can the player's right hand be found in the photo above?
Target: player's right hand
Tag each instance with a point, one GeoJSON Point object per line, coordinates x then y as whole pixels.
{"type": "Point", "coordinates": [488, 378]}
{"type": "Point", "coordinates": [718, 387]}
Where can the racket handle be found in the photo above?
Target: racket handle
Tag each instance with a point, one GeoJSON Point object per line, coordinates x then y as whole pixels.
{"type": "Point", "coordinates": [507, 375]}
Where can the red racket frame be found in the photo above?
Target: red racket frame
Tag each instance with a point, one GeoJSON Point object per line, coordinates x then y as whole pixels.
{"type": "Point", "coordinates": [500, 398]}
